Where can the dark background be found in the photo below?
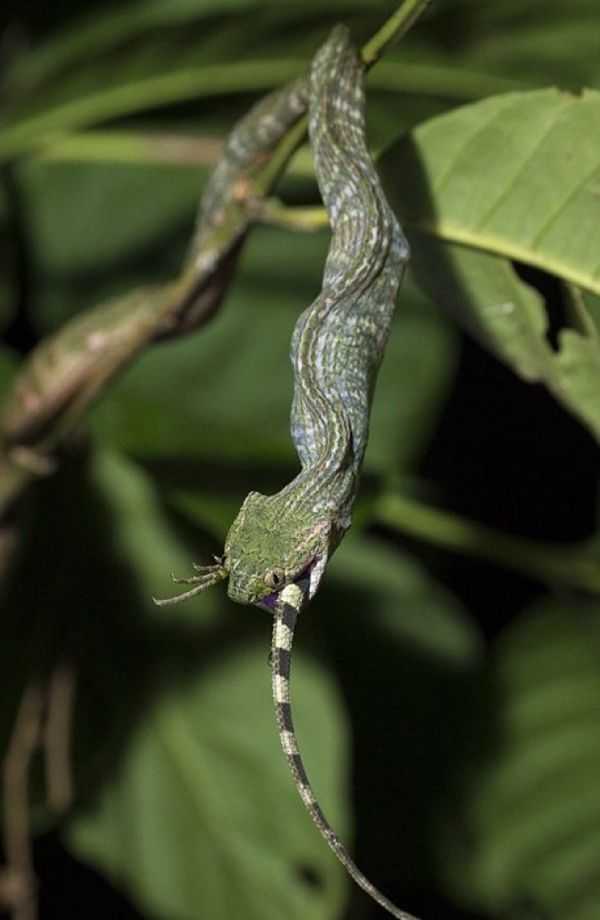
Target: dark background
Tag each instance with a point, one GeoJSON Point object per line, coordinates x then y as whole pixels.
{"type": "Point", "coordinates": [502, 452]}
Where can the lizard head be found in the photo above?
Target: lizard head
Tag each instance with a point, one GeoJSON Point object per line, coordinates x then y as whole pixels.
{"type": "Point", "coordinates": [269, 547]}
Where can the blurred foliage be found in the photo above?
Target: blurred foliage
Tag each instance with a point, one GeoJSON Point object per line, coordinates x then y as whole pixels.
{"type": "Point", "coordinates": [537, 843]}
{"type": "Point", "coordinates": [463, 752]}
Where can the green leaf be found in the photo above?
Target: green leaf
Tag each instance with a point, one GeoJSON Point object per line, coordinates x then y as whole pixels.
{"type": "Point", "coordinates": [399, 597]}
{"type": "Point", "coordinates": [571, 564]}
{"type": "Point", "coordinates": [531, 809]}
{"type": "Point", "coordinates": [507, 316]}
{"type": "Point", "coordinates": [513, 177]}
{"type": "Point", "coordinates": [591, 308]}
{"type": "Point", "coordinates": [200, 818]}
{"type": "Point", "coordinates": [143, 536]}
{"type": "Point", "coordinates": [83, 200]}
{"type": "Point", "coordinates": [102, 32]}
{"type": "Point", "coordinates": [98, 229]}
{"type": "Point", "coordinates": [516, 175]}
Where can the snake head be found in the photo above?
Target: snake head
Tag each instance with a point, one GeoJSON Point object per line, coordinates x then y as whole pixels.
{"type": "Point", "coordinates": [271, 545]}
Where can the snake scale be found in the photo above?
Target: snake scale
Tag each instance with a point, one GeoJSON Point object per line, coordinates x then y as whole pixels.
{"type": "Point", "coordinates": [278, 547]}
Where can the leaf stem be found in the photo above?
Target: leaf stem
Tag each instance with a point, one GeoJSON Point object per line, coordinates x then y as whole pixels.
{"type": "Point", "coordinates": [122, 145]}
{"type": "Point", "coordinates": [574, 564]}
{"type": "Point", "coordinates": [153, 92]}
{"type": "Point", "coordinates": [180, 85]}
{"type": "Point", "coordinates": [291, 217]}
{"type": "Point", "coordinates": [397, 25]}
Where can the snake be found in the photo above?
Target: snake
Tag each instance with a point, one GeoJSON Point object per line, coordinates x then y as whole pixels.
{"type": "Point", "coordinates": [278, 547]}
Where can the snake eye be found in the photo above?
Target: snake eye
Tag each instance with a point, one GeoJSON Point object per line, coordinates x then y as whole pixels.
{"type": "Point", "coordinates": [275, 578]}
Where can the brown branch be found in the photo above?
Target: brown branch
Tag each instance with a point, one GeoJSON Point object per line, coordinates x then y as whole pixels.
{"type": "Point", "coordinates": [69, 371]}
{"type": "Point", "coordinates": [17, 883]}
{"type": "Point", "coordinates": [57, 737]}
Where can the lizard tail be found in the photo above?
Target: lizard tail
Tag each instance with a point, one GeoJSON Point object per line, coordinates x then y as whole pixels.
{"type": "Point", "coordinates": [281, 652]}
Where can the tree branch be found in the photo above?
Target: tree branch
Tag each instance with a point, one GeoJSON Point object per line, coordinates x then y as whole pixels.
{"type": "Point", "coordinates": [17, 882]}
{"type": "Point", "coordinates": [67, 372]}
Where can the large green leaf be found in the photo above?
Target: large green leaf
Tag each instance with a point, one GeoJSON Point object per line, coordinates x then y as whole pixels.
{"type": "Point", "coordinates": [399, 598]}
{"type": "Point", "coordinates": [188, 803]}
{"type": "Point", "coordinates": [142, 535]}
{"type": "Point", "coordinates": [531, 811]}
{"type": "Point", "coordinates": [507, 316]}
{"type": "Point", "coordinates": [72, 210]}
{"type": "Point", "coordinates": [514, 177]}
{"type": "Point", "coordinates": [201, 817]}
{"type": "Point", "coordinates": [98, 229]}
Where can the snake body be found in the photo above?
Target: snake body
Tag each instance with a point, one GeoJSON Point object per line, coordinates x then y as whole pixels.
{"type": "Point", "coordinates": [336, 351]}
{"type": "Point", "coordinates": [340, 339]}
{"type": "Point", "coordinates": [278, 546]}
{"type": "Point", "coordinates": [337, 347]}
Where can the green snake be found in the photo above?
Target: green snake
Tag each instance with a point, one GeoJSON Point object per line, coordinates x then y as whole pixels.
{"type": "Point", "coordinates": [278, 547]}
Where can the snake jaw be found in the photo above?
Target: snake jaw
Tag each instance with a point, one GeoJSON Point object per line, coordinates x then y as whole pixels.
{"type": "Point", "coordinates": [273, 601]}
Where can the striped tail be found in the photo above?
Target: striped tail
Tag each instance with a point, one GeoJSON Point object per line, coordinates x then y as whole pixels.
{"type": "Point", "coordinates": [281, 653]}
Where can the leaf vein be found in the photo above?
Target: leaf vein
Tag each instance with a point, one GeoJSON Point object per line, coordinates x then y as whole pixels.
{"type": "Point", "coordinates": [505, 193]}
{"type": "Point", "coordinates": [445, 176]}
{"type": "Point", "coordinates": [557, 212]}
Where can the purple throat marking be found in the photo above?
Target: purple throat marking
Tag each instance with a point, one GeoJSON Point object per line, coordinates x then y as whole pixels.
{"type": "Point", "coordinates": [270, 600]}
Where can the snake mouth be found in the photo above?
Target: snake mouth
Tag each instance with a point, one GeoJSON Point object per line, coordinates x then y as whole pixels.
{"type": "Point", "coordinates": [270, 601]}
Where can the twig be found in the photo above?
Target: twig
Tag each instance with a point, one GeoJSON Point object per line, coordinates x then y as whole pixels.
{"type": "Point", "coordinates": [120, 146]}
{"type": "Point", "coordinates": [57, 737]}
{"type": "Point", "coordinates": [394, 28]}
{"type": "Point", "coordinates": [18, 879]}
{"type": "Point", "coordinates": [291, 217]}
{"type": "Point", "coordinates": [66, 373]}
{"type": "Point", "coordinates": [397, 24]}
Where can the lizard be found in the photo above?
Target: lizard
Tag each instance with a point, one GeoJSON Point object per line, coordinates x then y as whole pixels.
{"type": "Point", "coordinates": [278, 547]}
